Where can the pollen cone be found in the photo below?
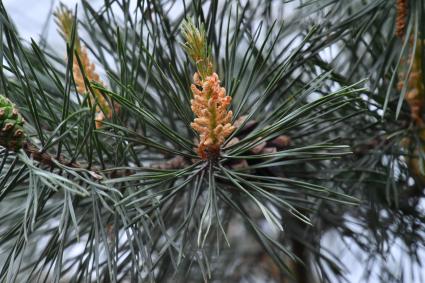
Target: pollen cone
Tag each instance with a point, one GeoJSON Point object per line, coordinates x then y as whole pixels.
{"type": "Point", "coordinates": [213, 121]}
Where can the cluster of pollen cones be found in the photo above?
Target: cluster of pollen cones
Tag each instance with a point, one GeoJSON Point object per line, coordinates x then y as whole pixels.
{"type": "Point", "coordinates": [401, 19]}
{"type": "Point", "coordinates": [213, 121]}
{"type": "Point", "coordinates": [415, 94]}
{"type": "Point", "coordinates": [65, 20]}
{"type": "Point", "coordinates": [91, 74]}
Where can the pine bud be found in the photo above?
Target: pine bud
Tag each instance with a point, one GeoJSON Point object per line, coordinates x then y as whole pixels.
{"type": "Point", "coordinates": [196, 47]}
{"type": "Point", "coordinates": [12, 133]}
{"type": "Point", "coordinates": [65, 20]}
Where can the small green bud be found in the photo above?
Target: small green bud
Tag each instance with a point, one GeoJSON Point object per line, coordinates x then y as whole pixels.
{"type": "Point", "coordinates": [12, 134]}
{"type": "Point", "coordinates": [196, 46]}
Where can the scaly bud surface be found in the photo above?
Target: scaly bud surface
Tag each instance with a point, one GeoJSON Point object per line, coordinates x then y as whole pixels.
{"type": "Point", "coordinates": [12, 133]}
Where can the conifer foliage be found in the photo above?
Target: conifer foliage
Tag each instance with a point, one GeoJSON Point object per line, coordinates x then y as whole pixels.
{"type": "Point", "coordinates": [214, 141]}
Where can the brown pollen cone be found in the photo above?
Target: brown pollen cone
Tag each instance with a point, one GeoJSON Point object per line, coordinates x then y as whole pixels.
{"type": "Point", "coordinates": [415, 94]}
{"type": "Point", "coordinates": [401, 19]}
